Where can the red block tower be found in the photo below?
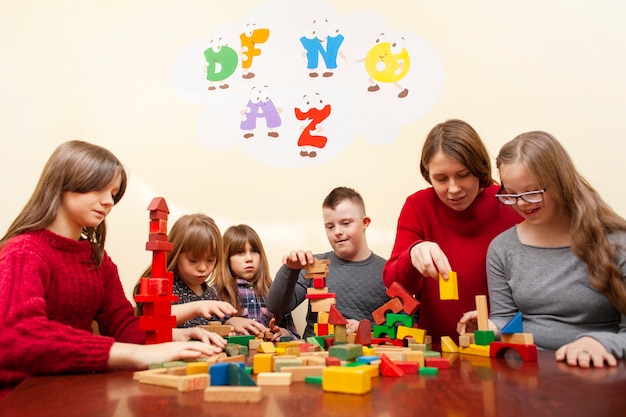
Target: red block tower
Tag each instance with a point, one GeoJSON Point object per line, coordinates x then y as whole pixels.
{"type": "Point", "coordinates": [155, 292]}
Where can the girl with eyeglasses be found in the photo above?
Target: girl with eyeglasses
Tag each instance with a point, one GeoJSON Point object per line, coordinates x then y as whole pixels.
{"type": "Point", "coordinates": [563, 267]}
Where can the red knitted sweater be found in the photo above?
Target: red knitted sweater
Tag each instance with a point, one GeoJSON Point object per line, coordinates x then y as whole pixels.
{"type": "Point", "coordinates": [49, 295]}
{"type": "Point", "coordinates": [463, 236]}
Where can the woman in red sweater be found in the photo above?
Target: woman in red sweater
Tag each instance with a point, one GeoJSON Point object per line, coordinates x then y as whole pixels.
{"type": "Point", "coordinates": [56, 278]}
{"type": "Point", "coordinates": [448, 227]}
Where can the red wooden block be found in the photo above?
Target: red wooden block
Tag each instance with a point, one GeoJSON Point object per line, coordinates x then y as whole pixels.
{"type": "Point", "coordinates": [389, 368]}
{"type": "Point", "coordinates": [157, 237]}
{"type": "Point", "coordinates": [407, 367]}
{"type": "Point", "coordinates": [335, 317]}
{"type": "Point", "coordinates": [364, 333]}
{"type": "Point", "coordinates": [409, 303]}
{"type": "Point", "coordinates": [333, 361]}
{"type": "Point", "coordinates": [158, 204]}
{"type": "Point", "coordinates": [157, 322]}
{"type": "Point", "coordinates": [322, 329]}
{"type": "Point", "coordinates": [439, 363]}
{"type": "Point", "coordinates": [321, 296]}
{"type": "Point", "coordinates": [328, 342]}
{"type": "Point", "coordinates": [158, 309]}
{"type": "Point", "coordinates": [158, 226]}
{"type": "Point", "coordinates": [159, 264]}
{"type": "Point", "coordinates": [394, 305]}
{"type": "Point", "coordinates": [158, 336]}
{"type": "Point", "coordinates": [527, 352]}
{"type": "Point", "coordinates": [304, 347]}
{"type": "Point", "coordinates": [159, 245]}
{"type": "Point", "coordinates": [387, 341]}
{"type": "Point", "coordinates": [319, 283]}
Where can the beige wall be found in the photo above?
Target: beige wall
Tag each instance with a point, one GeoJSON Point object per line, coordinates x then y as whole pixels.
{"type": "Point", "coordinates": [100, 71]}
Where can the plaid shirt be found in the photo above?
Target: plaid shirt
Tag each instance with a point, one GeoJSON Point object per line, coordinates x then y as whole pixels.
{"type": "Point", "coordinates": [254, 308]}
{"type": "Point", "coordinates": [186, 295]}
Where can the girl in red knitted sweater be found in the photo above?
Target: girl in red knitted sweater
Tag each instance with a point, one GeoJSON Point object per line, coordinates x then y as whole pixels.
{"type": "Point", "coordinates": [56, 278]}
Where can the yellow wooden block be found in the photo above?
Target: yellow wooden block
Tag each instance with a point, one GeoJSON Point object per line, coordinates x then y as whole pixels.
{"type": "Point", "coordinates": [266, 347]}
{"type": "Point", "coordinates": [368, 351]}
{"type": "Point", "coordinates": [449, 288]}
{"type": "Point", "coordinates": [354, 380]}
{"type": "Point", "coordinates": [417, 334]}
{"type": "Point", "coordinates": [372, 370]}
{"type": "Point", "coordinates": [322, 317]}
{"type": "Point", "coordinates": [197, 368]}
{"type": "Point", "coordinates": [448, 345]}
{"type": "Point", "coordinates": [262, 362]}
{"type": "Point", "coordinates": [474, 349]}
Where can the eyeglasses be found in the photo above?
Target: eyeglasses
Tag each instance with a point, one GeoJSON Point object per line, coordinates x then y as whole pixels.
{"type": "Point", "coordinates": [531, 197]}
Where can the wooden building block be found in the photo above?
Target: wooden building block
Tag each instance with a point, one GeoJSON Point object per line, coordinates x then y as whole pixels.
{"type": "Point", "coordinates": [518, 338]}
{"type": "Point", "coordinates": [266, 347]}
{"type": "Point", "coordinates": [262, 362]}
{"type": "Point", "coordinates": [388, 367]}
{"type": "Point", "coordinates": [393, 319]}
{"type": "Point", "coordinates": [527, 352]}
{"type": "Point", "coordinates": [416, 334]}
{"type": "Point", "coordinates": [299, 373]}
{"type": "Point", "coordinates": [322, 305]}
{"type": "Point", "coordinates": [474, 349]}
{"type": "Point", "coordinates": [335, 317]}
{"type": "Point", "coordinates": [319, 266]}
{"type": "Point", "coordinates": [448, 345]}
{"type": "Point", "coordinates": [448, 288]}
{"type": "Point", "coordinates": [483, 313]}
{"type": "Point", "coordinates": [394, 305]}
{"type": "Point", "coordinates": [514, 325]}
{"type": "Point", "coordinates": [274, 378]}
{"type": "Point", "coordinates": [183, 383]}
{"type": "Point", "coordinates": [439, 363]}
{"type": "Point", "coordinates": [340, 333]}
{"type": "Point", "coordinates": [233, 394]}
{"type": "Point", "coordinates": [484, 337]}
{"type": "Point", "coordinates": [194, 368]}
{"type": "Point", "coordinates": [466, 339]}
{"type": "Point", "coordinates": [346, 380]}
{"type": "Point", "coordinates": [363, 334]}
{"type": "Point", "coordinates": [345, 352]}
{"type": "Point", "coordinates": [409, 303]}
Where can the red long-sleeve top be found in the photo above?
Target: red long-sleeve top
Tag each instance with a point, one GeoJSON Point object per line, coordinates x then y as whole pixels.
{"type": "Point", "coordinates": [463, 236]}
{"type": "Point", "coordinates": [49, 295]}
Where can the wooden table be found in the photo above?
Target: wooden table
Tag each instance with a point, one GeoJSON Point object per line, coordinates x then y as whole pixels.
{"type": "Point", "coordinates": [474, 386]}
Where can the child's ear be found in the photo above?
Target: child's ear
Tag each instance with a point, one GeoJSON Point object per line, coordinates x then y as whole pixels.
{"type": "Point", "coordinates": [366, 221]}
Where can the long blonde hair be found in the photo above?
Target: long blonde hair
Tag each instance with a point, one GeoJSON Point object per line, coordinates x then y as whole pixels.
{"type": "Point", "coordinates": [591, 219]}
{"type": "Point", "coordinates": [235, 239]}
{"type": "Point", "coordinates": [74, 166]}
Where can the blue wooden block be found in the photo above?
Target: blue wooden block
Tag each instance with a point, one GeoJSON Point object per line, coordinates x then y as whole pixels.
{"type": "Point", "coordinates": [219, 373]}
{"type": "Point", "coordinates": [514, 325]}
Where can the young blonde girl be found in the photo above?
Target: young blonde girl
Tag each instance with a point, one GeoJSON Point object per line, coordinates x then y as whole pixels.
{"type": "Point", "coordinates": [246, 282]}
{"type": "Point", "coordinates": [196, 258]}
{"type": "Point", "coordinates": [56, 278]}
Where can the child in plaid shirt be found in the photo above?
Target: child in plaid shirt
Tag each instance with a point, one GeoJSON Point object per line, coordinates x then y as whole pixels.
{"type": "Point", "coordinates": [196, 259]}
{"type": "Point", "coordinates": [245, 283]}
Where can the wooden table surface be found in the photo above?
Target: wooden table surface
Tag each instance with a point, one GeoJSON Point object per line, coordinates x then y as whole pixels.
{"type": "Point", "coordinates": [474, 386]}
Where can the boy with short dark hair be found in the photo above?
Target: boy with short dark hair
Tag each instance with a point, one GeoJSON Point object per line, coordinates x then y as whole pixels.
{"type": "Point", "coordinates": [355, 272]}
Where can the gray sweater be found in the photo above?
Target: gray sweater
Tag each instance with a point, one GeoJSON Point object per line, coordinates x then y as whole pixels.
{"type": "Point", "coordinates": [551, 287]}
{"type": "Point", "coordinates": [358, 286]}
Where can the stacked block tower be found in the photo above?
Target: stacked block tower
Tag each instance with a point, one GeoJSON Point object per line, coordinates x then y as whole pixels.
{"type": "Point", "coordinates": [156, 291]}
{"type": "Point", "coordinates": [319, 298]}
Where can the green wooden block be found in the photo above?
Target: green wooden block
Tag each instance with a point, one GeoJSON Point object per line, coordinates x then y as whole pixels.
{"type": "Point", "coordinates": [484, 337]}
{"type": "Point", "coordinates": [242, 340]}
{"type": "Point", "coordinates": [392, 319]}
{"type": "Point", "coordinates": [428, 371]}
{"type": "Point", "coordinates": [237, 376]}
{"type": "Point", "coordinates": [380, 330]}
{"type": "Point", "coordinates": [346, 352]}
{"type": "Point", "coordinates": [317, 379]}
{"type": "Point", "coordinates": [432, 354]}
